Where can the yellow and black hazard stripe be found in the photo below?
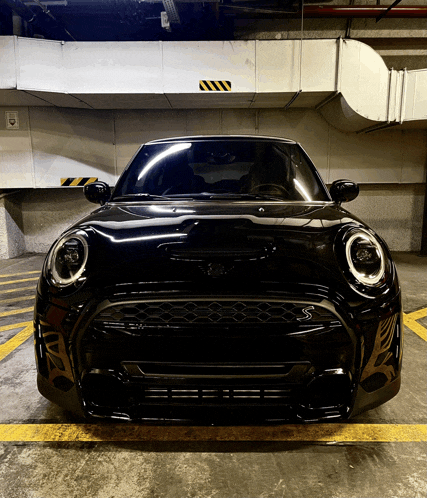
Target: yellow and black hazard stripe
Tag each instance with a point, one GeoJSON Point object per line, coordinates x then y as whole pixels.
{"type": "Point", "coordinates": [77, 182]}
{"type": "Point", "coordinates": [214, 86]}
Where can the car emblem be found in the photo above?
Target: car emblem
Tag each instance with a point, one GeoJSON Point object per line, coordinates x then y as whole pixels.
{"type": "Point", "coordinates": [307, 314]}
{"type": "Point", "coordinates": [216, 270]}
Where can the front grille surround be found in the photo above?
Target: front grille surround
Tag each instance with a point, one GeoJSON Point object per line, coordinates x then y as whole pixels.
{"type": "Point", "coordinates": [204, 335]}
{"type": "Point", "coordinates": [214, 311]}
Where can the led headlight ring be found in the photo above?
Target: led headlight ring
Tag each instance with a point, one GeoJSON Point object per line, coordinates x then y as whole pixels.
{"type": "Point", "coordinates": [68, 258]}
{"type": "Point", "coordinates": [363, 248]}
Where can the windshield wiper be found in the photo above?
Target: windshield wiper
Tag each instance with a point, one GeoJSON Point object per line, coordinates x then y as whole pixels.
{"type": "Point", "coordinates": [226, 196]}
{"type": "Point", "coordinates": [140, 197]}
{"type": "Point", "coordinates": [231, 196]}
{"type": "Point", "coordinates": [201, 195]}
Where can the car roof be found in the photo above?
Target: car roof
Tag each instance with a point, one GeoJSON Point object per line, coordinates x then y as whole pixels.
{"type": "Point", "coordinates": [212, 138]}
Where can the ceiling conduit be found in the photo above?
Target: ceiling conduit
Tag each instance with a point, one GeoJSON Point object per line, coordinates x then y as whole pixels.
{"type": "Point", "coordinates": [345, 80]}
{"type": "Point", "coordinates": [362, 11]}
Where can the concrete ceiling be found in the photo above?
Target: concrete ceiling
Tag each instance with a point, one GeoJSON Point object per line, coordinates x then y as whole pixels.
{"type": "Point", "coordinates": [176, 20]}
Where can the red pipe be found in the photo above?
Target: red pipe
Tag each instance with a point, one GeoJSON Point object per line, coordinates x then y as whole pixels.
{"type": "Point", "coordinates": [364, 11]}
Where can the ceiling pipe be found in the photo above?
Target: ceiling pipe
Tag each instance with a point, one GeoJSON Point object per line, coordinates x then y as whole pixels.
{"type": "Point", "coordinates": [345, 11]}
{"type": "Point", "coordinates": [365, 11]}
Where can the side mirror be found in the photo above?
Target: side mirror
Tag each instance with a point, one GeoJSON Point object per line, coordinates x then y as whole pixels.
{"type": "Point", "coordinates": [97, 192]}
{"type": "Point", "coordinates": [344, 191]}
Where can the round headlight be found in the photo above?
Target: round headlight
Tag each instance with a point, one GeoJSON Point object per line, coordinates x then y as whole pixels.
{"type": "Point", "coordinates": [67, 260]}
{"type": "Point", "coordinates": [365, 257]}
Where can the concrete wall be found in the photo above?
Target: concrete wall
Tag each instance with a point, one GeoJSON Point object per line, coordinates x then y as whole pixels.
{"type": "Point", "coordinates": [12, 239]}
{"type": "Point", "coordinates": [390, 164]}
{"type": "Point", "coordinates": [48, 212]}
{"type": "Point", "coordinates": [394, 211]}
{"type": "Point", "coordinates": [54, 143]}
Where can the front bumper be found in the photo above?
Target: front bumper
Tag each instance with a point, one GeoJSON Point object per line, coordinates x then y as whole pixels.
{"type": "Point", "coordinates": [299, 360]}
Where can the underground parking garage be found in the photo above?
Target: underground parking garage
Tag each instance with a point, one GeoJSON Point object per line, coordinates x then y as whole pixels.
{"type": "Point", "coordinates": [76, 105]}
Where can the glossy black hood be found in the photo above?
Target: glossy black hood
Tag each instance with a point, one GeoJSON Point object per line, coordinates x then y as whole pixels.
{"type": "Point", "coordinates": [122, 219]}
{"type": "Point", "coordinates": [216, 243]}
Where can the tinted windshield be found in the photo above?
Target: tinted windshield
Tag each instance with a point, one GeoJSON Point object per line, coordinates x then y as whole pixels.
{"type": "Point", "coordinates": [257, 168]}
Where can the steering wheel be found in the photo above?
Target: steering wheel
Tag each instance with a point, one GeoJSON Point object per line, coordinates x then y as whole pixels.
{"type": "Point", "coordinates": [271, 187]}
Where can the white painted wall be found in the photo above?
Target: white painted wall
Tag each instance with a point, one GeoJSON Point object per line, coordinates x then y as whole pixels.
{"type": "Point", "coordinates": [16, 159]}
{"type": "Point", "coordinates": [394, 211]}
{"type": "Point", "coordinates": [71, 143]}
{"type": "Point", "coordinates": [55, 143]}
{"type": "Point", "coordinates": [46, 213]}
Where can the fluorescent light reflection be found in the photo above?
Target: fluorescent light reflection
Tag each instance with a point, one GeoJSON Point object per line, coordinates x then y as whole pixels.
{"type": "Point", "coordinates": [170, 210]}
{"type": "Point", "coordinates": [302, 190]}
{"type": "Point", "coordinates": [162, 155]}
{"type": "Point", "coordinates": [145, 237]}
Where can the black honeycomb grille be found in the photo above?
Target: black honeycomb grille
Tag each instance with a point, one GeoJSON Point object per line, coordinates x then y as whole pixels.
{"type": "Point", "coordinates": [214, 312]}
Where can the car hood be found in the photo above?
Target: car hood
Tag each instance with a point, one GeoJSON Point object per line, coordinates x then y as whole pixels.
{"type": "Point", "coordinates": [123, 220]}
{"type": "Point", "coordinates": [175, 241]}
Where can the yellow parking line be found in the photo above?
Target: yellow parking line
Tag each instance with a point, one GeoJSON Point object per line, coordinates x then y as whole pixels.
{"type": "Point", "coordinates": [16, 299]}
{"type": "Point", "coordinates": [416, 315]}
{"type": "Point", "coordinates": [18, 281]}
{"type": "Point", "coordinates": [310, 433]}
{"type": "Point", "coordinates": [31, 287]}
{"type": "Point", "coordinates": [410, 320]}
{"type": "Point", "coordinates": [18, 289]}
{"type": "Point", "coordinates": [16, 312]}
{"type": "Point", "coordinates": [16, 341]}
{"type": "Point", "coordinates": [13, 326]}
{"type": "Point", "coordinates": [18, 274]}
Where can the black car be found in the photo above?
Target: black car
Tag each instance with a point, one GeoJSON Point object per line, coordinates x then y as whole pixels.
{"type": "Point", "coordinates": [220, 279]}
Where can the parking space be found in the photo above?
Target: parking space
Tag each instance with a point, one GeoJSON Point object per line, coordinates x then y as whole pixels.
{"type": "Point", "coordinates": [45, 453]}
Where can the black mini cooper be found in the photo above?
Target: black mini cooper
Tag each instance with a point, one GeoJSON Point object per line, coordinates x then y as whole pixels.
{"type": "Point", "coordinates": [220, 279]}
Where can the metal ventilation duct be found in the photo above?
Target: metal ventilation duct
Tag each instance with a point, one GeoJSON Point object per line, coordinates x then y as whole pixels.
{"type": "Point", "coordinates": [347, 81]}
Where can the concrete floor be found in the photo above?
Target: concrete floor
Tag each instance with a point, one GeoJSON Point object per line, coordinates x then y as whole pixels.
{"type": "Point", "coordinates": [379, 454]}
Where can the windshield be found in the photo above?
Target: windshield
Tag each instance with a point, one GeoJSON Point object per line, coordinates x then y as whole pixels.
{"type": "Point", "coordinates": [221, 168]}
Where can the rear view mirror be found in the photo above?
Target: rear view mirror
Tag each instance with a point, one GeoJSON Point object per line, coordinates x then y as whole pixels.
{"type": "Point", "coordinates": [344, 191]}
{"type": "Point", "coordinates": [97, 192]}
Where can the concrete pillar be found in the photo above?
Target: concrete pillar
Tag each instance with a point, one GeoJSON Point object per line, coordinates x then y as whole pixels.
{"type": "Point", "coordinates": [424, 231]}
{"type": "Point", "coordinates": [12, 242]}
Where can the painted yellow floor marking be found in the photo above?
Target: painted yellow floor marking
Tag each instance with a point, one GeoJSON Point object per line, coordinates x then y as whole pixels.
{"type": "Point", "coordinates": [19, 289]}
{"type": "Point", "coordinates": [416, 315]}
{"type": "Point", "coordinates": [18, 274]}
{"type": "Point", "coordinates": [16, 299]}
{"type": "Point", "coordinates": [16, 341]}
{"type": "Point", "coordinates": [310, 433]}
{"type": "Point", "coordinates": [18, 281]}
{"type": "Point", "coordinates": [16, 312]}
{"type": "Point", "coordinates": [13, 326]}
{"type": "Point", "coordinates": [410, 320]}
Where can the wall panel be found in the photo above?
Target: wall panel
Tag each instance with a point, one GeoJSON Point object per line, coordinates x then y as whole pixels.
{"type": "Point", "coordinates": [392, 156]}
{"type": "Point", "coordinates": [72, 143]}
{"type": "Point", "coordinates": [132, 128]}
{"type": "Point", "coordinates": [304, 126]}
{"type": "Point", "coordinates": [239, 122]}
{"type": "Point", "coordinates": [16, 161]}
{"type": "Point", "coordinates": [47, 213]}
{"type": "Point", "coordinates": [53, 143]}
{"type": "Point", "coordinates": [394, 211]}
